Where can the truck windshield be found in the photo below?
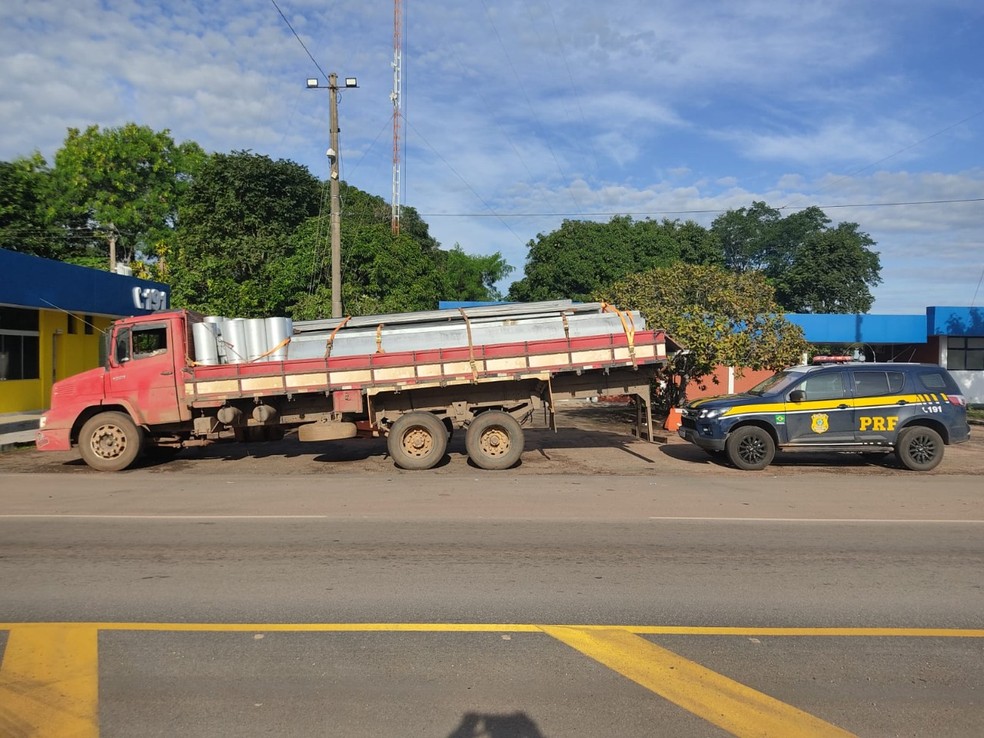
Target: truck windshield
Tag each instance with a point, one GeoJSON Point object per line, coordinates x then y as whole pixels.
{"type": "Point", "coordinates": [775, 384]}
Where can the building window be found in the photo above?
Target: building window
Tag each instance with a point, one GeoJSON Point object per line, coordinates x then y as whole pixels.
{"type": "Point", "coordinates": [72, 328]}
{"type": "Point", "coordinates": [965, 354]}
{"type": "Point", "coordinates": [19, 344]}
{"type": "Point", "coordinates": [88, 324]}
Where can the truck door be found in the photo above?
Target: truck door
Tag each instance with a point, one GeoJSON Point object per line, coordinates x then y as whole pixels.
{"type": "Point", "coordinates": [878, 404]}
{"type": "Point", "coordinates": [142, 371]}
{"type": "Point", "coordinates": [819, 410]}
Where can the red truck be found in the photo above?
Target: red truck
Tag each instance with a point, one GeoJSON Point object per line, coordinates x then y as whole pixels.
{"type": "Point", "coordinates": [151, 396]}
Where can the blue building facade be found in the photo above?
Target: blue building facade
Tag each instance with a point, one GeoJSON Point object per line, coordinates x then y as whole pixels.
{"type": "Point", "coordinates": [51, 317]}
{"type": "Point", "coordinates": [952, 337]}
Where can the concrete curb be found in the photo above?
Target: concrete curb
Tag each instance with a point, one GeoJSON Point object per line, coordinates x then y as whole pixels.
{"type": "Point", "coordinates": [18, 429]}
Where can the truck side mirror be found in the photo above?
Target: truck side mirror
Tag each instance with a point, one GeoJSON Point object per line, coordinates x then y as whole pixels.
{"type": "Point", "coordinates": [797, 396]}
{"type": "Point", "coordinates": [121, 351]}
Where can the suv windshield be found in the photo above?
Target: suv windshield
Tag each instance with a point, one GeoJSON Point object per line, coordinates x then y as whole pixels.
{"type": "Point", "coordinates": [776, 383]}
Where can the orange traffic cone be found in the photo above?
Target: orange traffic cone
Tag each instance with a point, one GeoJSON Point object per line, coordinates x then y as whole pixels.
{"type": "Point", "coordinates": [673, 420]}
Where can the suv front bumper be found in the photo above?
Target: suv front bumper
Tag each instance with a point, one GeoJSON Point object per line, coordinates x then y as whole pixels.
{"type": "Point", "coordinates": [691, 434]}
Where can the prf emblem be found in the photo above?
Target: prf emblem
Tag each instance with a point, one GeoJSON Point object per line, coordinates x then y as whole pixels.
{"type": "Point", "coordinates": [820, 423]}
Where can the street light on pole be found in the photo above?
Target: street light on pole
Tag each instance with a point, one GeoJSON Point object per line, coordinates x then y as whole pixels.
{"type": "Point", "coordinates": [336, 216]}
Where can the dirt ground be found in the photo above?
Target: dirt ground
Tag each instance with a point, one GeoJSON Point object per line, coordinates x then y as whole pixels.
{"type": "Point", "coordinates": [592, 439]}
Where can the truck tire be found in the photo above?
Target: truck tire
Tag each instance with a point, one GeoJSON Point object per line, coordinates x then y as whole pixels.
{"type": "Point", "coordinates": [110, 441]}
{"type": "Point", "coordinates": [919, 448]}
{"type": "Point", "coordinates": [750, 448]}
{"type": "Point", "coordinates": [494, 440]}
{"type": "Point", "coordinates": [417, 441]}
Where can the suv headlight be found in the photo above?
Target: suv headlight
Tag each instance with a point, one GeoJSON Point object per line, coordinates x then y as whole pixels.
{"type": "Point", "coordinates": [708, 414]}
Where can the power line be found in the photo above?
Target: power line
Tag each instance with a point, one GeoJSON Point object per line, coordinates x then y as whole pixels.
{"type": "Point", "coordinates": [693, 212]}
{"type": "Point", "coordinates": [437, 153]}
{"type": "Point", "coordinates": [323, 73]}
{"type": "Point", "coordinates": [905, 148]}
{"type": "Point", "coordinates": [979, 281]}
{"type": "Point", "coordinates": [529, 104]}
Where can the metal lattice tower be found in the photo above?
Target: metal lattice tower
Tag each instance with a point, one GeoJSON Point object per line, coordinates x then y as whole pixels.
{"type": "Point", "coordinates": [395, 98]}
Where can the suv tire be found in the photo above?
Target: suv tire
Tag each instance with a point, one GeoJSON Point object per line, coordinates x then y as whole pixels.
{"type": "Point", "coordinates": [750, 448]}
{"type": "Point", "coordinates": [919, 448]}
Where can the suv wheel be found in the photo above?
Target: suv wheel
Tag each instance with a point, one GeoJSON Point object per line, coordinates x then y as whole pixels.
{"type": "Point", "coordinates": [919, 448]}
{"type": "Point", "coordinates": [750, 448]}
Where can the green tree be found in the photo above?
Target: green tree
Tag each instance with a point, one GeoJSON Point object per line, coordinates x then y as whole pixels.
{"type": "Point", "coordinates": [583, 256]}
{"type": "Point", "coordinates": [254, 236]}
{"type": "Point", "coordinates": [814, 267]}
{"type": "Point", "coordinates": [462, 276]}
{"type": "Point", "coordinates": [130, 179]}
{"type": "Point", "coordinates": [23, 185]}
{"type": "Point", "coordinates": [748, 237]}
{"type": "Point", "coordinates": [720, 317]}
{"type": "Point", "coordinates": [235, 240]}
{"type": "Point", "coordinates": [831, 272]}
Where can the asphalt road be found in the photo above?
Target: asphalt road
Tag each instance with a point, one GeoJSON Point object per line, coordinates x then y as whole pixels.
{"type": "Point", "coordinates": [416, 604]}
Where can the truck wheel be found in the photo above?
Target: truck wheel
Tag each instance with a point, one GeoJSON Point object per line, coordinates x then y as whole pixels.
{"type": "Point", "coordinates": [494, 440]}
{"type": "Point", "coordinates": [417, 441]}
{"type": "Point", "coordinates": [750, 448]}
{"type": "Point", "coordinates": [919, 448]}
{"type": "Point", "coordinates": [110, 441]}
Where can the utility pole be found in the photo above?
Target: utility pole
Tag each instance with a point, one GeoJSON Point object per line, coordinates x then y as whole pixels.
{"type": "Point", "coordinates": [336, 205]}
{"type": "Point", "coordinates": [112, 248]}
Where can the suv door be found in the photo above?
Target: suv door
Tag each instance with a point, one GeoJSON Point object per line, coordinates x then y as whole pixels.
{"type": "Point", "coordinates": [879, 403]}
{"type": "Point", "coordinates": [819, 410]}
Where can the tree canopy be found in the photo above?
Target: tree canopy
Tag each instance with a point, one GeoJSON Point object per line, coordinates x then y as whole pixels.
{"type": "Point", "coordinates": [240, 233]}
{"type": "Point", "coordinates": [253, 239]}
{"type": "Point", "coordinates": [583, 256]}
{"type": "Point", "coordinates": [720, 317]}
{"type": "Point", "coordinates": [23, 223]}
{"type": "Point", "coordinates": [813, 267]}
{"type": "Point", "coordinates": [128, 179]}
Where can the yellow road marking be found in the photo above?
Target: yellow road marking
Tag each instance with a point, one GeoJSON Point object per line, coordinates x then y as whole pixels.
{"type": "Point", "coordinates": [49, 672]}
{"type": "Point", "coordinates": [517, 628]}
{"type": "Point", "coordinates": [49, 682]}
{"type": "Point", "coordinates": [740, 710]}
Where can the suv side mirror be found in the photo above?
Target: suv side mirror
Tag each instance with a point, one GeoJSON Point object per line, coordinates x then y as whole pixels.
{"type": "Point", "coordinates": [797, 396]}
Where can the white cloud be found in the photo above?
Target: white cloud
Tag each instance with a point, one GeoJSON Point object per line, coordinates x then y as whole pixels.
{"type": "Point", "coordinates": [525, 112]}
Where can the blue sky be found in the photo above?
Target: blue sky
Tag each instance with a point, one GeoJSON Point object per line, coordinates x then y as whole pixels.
{"type": "Point", "coordinates": [520, 113]}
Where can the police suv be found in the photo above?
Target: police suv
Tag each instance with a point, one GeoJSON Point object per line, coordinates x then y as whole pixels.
{"type": "Point", "coordinates": [913, 409]}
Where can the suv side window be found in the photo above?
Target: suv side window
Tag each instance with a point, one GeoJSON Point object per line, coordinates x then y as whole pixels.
{"type": "Point", "coordinates": [874, 383]}
{"type": "Point", "coordinates": [936, 381]}
{"type": "Point", "coordinates": [823, 386]}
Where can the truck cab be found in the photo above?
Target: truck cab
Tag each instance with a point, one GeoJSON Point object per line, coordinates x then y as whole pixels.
{"type": "Point", "coordinates": [138, 385]}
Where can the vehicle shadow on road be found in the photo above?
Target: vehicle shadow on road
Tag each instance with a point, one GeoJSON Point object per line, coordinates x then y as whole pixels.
{"type": "Point", "coordinates": [807, 460]}
{"type": "Point", "coordinates": [484, 725]}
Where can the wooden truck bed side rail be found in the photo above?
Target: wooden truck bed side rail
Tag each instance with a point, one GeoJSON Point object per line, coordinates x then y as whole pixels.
{"type": "Point", "coordinates": [417, 369]}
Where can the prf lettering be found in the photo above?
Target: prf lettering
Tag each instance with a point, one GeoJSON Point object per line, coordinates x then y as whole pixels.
{"type": "Point", "coordinates": [878, 423]}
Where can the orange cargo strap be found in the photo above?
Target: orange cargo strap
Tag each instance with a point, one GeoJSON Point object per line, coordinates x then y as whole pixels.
{"type": "Point", "coordinates": [628, 326]}
{"type": "Point", "coordinates": [471, 346]}
{"type": "Point", "coordinates": [331, 338]}
{"type": "Point", "coordinates": [379, 339]}
{"type": "Point", "coordinates": [274, 350]}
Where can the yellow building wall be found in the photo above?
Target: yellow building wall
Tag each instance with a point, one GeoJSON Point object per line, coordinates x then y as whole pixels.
{"type": "Point", "coordinates": [62, 354]}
